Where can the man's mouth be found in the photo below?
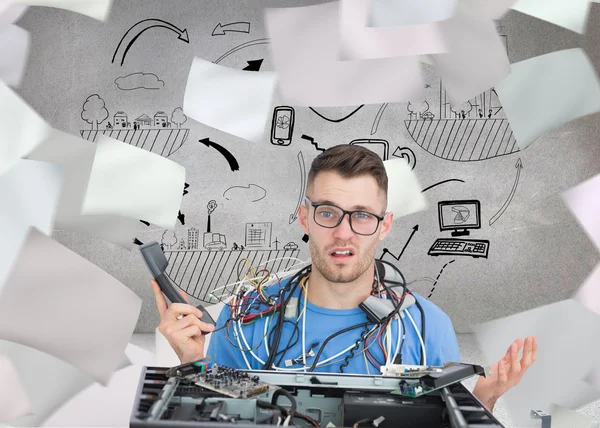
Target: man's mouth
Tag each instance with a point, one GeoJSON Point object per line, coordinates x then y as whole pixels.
{"type": "Point", "coordinates": [342, 253]}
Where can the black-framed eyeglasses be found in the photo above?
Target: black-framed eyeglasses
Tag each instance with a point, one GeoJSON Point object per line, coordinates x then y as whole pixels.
{"type": "Point", "coordinates": [330, 216]}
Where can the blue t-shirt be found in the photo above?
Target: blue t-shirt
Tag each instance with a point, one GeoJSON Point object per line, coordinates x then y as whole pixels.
{"type": "Point", "coordinates": [226, 345]}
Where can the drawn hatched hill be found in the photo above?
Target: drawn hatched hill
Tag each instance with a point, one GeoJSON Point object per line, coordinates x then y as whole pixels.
{"type": "Point", "coordinates": [198, 272]}
{"type": "Point", "coordinates": [463, 140]}
{"type": "Point", "coordinates": [161, 141]}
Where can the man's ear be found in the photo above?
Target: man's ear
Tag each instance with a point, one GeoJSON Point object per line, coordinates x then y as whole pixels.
{"type": "Point", "coordinates": [386, 225]}
{"type": "Point", "coordinates": [303, 218]}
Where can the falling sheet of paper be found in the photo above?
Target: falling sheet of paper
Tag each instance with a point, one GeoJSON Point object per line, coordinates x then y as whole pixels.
{"type": "Point", "coordinates": [21, 128]}
{"type": "Point", "coordinates": [97, 9]}
{"type": "Point", "coordinates": [562, 329]}
{"type": "Point", "coordinates": [492, 9]}
{"type": "Point", "coordinates": [584, 202]}
{"type": "Point", "coordinates": [305, 47]}
{"type": "Point", "coordinates": [76, 156]}
{"type": "Point", "coordinates": [30, 192]}
{"type": "Point", "coordinates": [14, 400]}
{"type": "Point", "coordinates": [565, 418]}
{"type": "Point", "coordinates": [571, 14]}
{"type": "Point", "coordinates": [357, 41]}
{"type": "Point", "coordinates": [13, 55]}
{"type": "Point", "coordinates": [404, 191]}
{"type": "Point", "coordinates": [394, 13]}
{"type": "Point", "coordinates": [75, 310]}
{"type": "Point", "coordinates": [477, 59]}
{"type": "Point", "coordinates": [118, 396]}
{"type": "Point", "coordinates": [547, 91]}
{"type": "Point", "coordinates": [589, 293]}
{"type": "Point", "coordinates": [48, 381]}
{"type": "Point", "coordinates": [132, 182]}
{"type": "Point", "coordinates": [234, 101]}
{"type": "Point", "coordinates": [11, 13]}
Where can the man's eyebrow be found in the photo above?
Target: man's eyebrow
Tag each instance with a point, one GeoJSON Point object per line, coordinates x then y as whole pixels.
{"type": "Point", "coordinates": [353, 208]}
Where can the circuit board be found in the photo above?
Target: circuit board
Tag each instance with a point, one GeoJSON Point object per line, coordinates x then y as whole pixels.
{"type": "Point", "coordinates": [222, 379]}
{"type": "Point", "coordinates": [409, 371]}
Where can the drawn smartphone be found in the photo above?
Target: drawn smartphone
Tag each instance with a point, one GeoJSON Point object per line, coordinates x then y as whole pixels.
{"type": "Point", "coordinates": [157, 264]}
{"type": "Point", "coordinates": [282, 127]}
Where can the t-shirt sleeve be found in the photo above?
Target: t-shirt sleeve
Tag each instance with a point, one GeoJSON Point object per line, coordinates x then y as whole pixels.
{"type": "Point", "coordinates": [440, 339]}
{"type": "Point", "coordinates": [220, 349]}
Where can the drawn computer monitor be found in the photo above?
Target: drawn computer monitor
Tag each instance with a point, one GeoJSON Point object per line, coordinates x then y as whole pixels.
{"type": "Point", "coordinates": [459, 216]}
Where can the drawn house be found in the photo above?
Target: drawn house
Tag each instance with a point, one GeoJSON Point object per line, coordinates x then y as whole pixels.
{"type": "Point", "coordinates": [144, 120]}
{"type": "Point", "coordinates": [120, 119]}
{"type": "Point", "coordinates": [161, 120]}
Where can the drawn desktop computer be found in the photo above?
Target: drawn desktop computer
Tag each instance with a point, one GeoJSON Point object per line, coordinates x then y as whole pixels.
{"type": "Point", "coordinates": [459, 217]}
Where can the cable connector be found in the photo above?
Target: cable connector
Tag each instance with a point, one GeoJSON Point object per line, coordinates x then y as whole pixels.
{"type": "Point", "coordinates": [377, 309]}
{"type": "Point", "coordinates": [378, 421]}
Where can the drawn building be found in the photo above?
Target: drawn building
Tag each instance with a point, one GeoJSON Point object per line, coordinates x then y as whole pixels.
{"type": "Point", "coordinates": [161, 119]}
{"type": "Point", "coordinates": [144, 120]}
{"type": "Point", "coordinates": [120, 119]}
{"type": "Point", "coordinates": [193, 235]}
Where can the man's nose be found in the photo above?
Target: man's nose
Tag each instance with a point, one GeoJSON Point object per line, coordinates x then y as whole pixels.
{"type": "Point", "coordinates": [343, 231]}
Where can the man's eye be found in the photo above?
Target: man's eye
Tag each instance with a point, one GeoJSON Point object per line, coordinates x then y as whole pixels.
{"type": "Point", "coordinates": [362, 216]}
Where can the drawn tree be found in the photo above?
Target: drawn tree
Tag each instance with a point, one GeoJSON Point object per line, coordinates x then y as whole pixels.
{"type": "Point", "coordinates": [94, 111]}
{"type": "Point", "coordinates": [178, 118]}
{"type": "Point", "coordinates": [169, 238]}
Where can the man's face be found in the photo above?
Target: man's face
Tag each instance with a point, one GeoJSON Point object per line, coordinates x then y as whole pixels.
{"type": "Point", "coordinates": [329, 247]}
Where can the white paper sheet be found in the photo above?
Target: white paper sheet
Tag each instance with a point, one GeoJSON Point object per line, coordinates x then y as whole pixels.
{"type": "Point", "coordinates": [117, 397]}
{"type": "Point", "coordinates": [305, 46]}
{"type": "Point", "coordinates": [14, 52]}
{"type": "Point", "coordinates": [11, 13]}
{"type": "Point", "coordinates": [394, 13]}
{"type": "Point", "coordinates": [14, 401]}
{"type": "Point", "coordinates": [547, 91]}
{"type": "Point", "coordinates": [132, 182]}
{"type": "Point", "coordinates": [562, 329]}
{"type": "Point", "coordinates": [584, 202]}
{"type": "Point", "coordinates": [76, 156]}
{"type": "Point", "coordinates": [477, 58]}
{"type": "Point", "coordinates": [493, 9]}
{"type": "Point", "coordinates": [571, 14]}
{"type": "Point", "coordinates": [234, 101]}
{"type": "Point", "coordinates": [21, 128]}
{"type": "Point", "coordinates": [357, 41]}
{"type": "Point", "coordinates": [97, 9]}
{"type": "Point", "coordinates": [565, 418]}
{"type": "Point", "coordinates": [404, 191]}
{"type": "Point", "coordinates": [75, 310]}
{"type": "Point", "coordinates": [30, 192]}
{"type": "Point", "coordinates": [48, 381]}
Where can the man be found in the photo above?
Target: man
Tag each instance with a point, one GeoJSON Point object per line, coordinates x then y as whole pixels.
{"type": "Point", "coordinates": [313, 322]}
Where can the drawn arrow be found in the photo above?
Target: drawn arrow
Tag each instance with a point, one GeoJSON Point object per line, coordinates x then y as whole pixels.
{"type": "Point", "coordinates": [406, 153]}
{"type": "Point", "coordinates": [312, 141]}
{"type": "Point", "coordinates": [181, 218]}
{"type": "Point", "coordinates": [137, 242]}
{"type": "Point", "coordinates": [385, 250]}
{"type": "Point", "coordinates": [233, 163]}
{"type": "Point", "coordinates": [233, 27]}
{"type": "Point", "coordinates": [242, 46]}
{"type": "Point", "coordinates": [496, 216]}
{"type": "Point", "coordinates": [442, 182]}
{"type": "Point", "coordinates": [136, 31]}
{"type": "Point", "coordinates": [145, 222]}
{"type": "Point", "coordinates": [294, 215]}
{"type": "Point", "coordinates": [253, 65]}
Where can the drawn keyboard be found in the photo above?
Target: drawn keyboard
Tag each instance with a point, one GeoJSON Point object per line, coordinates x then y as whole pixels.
{"type": "Point", "coordinates": [460, 247]}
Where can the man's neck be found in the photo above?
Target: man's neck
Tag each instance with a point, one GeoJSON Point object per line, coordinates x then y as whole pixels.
{"type": "Point", "coordinates": [339, 295]}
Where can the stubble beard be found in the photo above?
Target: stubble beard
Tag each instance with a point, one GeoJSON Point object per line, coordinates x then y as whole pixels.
{"type": "Point", "coordinates": [341, 273]}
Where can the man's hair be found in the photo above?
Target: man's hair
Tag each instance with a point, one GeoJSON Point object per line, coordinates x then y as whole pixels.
{"type": "Point", "coordinates": [350, 161]}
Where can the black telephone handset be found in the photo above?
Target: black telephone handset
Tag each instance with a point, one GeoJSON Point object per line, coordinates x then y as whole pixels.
{"type": "Point", "coordinates": [157, 264]}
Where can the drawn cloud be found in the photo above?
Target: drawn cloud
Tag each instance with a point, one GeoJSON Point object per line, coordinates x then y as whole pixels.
{"type": "Point", "coordinates": [139, 81]}
{"type": "Point", "coordinates": [249, 193]}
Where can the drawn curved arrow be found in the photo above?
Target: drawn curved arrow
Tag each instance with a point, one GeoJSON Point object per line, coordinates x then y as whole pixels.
{"type": "Point", "coordinates": [232, 27]}
{"type": "Point", "coordinates": [242, 46]}
{"type": "Point", "coordinates": [503, 208]}
{"type": "Point", "coordinates": [294, 215]}
{"type": "Point", "coordinates": [386, 251]}
{"type": "Point", "coordinates": [136, 31]}
{"type": "Point", "coordinates": [233, 163]}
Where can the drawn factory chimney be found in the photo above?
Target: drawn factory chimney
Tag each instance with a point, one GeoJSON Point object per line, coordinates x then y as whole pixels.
{"type": "Point", "coordinates": [213, 241]}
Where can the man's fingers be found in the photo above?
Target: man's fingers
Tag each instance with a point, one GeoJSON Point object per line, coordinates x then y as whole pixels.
{"type": "Point", "coordinates": [177, 309]}
{"type": "Point", "coordinates": [502, 372]}
{"type": "Point", "coordinates": [161, 302]}
{"type": "Point", "coordinates": [515, 364]}
{"type": "Point", "coordinates": [528, 356]}
{"type": "Point", "coordinates": [193, 320]}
